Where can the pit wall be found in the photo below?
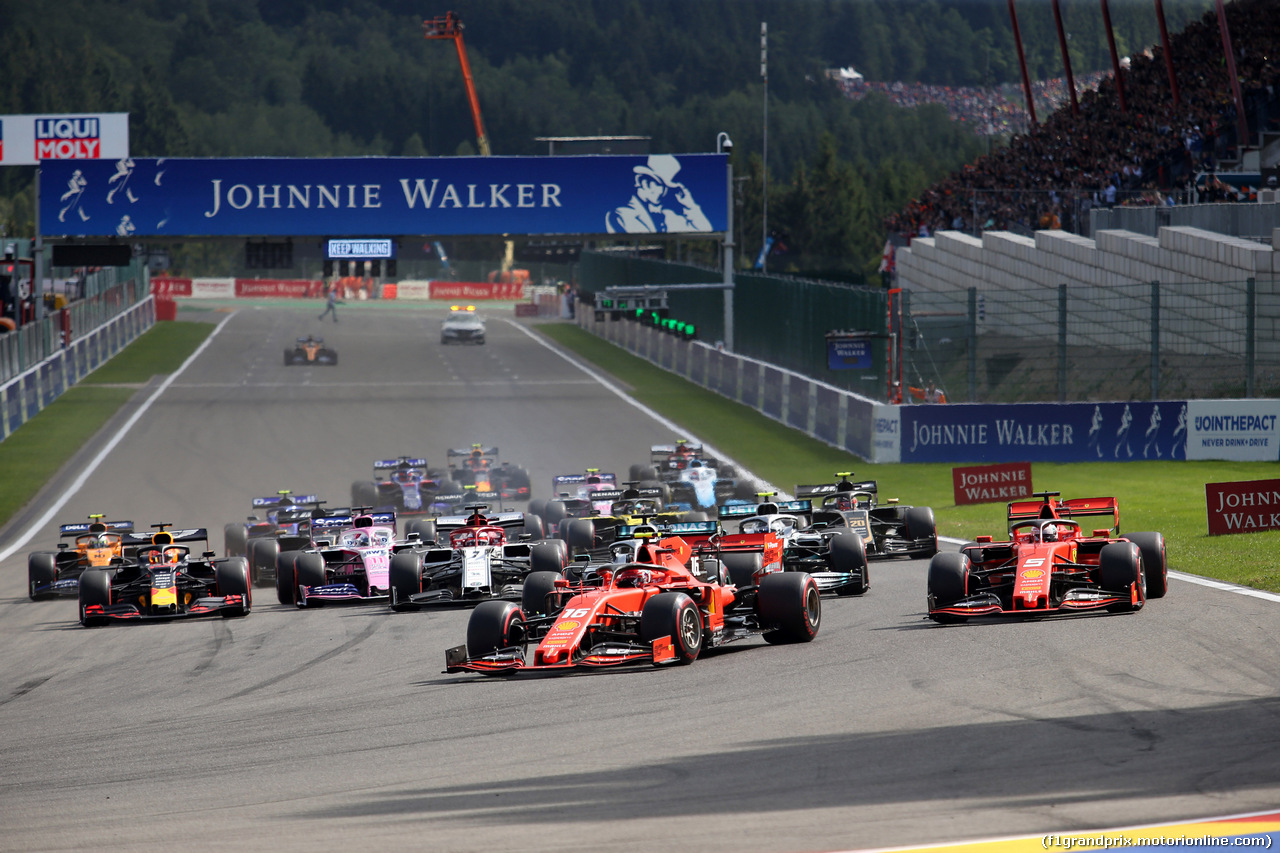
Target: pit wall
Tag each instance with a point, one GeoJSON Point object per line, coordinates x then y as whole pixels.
{"type": "Point", "coordinates": [1246, 430]}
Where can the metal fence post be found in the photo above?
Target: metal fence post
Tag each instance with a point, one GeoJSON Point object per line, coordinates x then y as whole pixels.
{"type": "Point", "coordinates": [973, 345]}
{"type": "Point", "coordinates": [1062, 343]}
{"type": "Point", "coordinates": [1155, 340]}
{"type": "Point", "coordinates": [1250, 333]}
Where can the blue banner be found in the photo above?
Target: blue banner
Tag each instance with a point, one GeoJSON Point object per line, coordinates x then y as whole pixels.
{"type": "Point", "coordinates": [1044, 432]}
{"type": "Point", "coordinates": [384, 196]}
{"type": "Point", "coordinates": [848, 354]}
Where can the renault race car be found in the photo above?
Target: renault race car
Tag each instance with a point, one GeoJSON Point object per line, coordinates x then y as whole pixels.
{"type": "Point", "coordinates": [887, 529]}
{"type": "Point", "coordinates": [404, 484]}
{"type": "Point", "coordinates": [165, 580]}
{"type": "Point", "coordinates": [348, 560]}
{"type": "Point", "coordinates": [56, 573]}
{"type": "Point", "coordinates": [477, 561]}
{"type": "Point", "coordinates": [494, 480]}
{"type": "Point", "coordinates": [1049, 564]}
{"type": "Point", "coordinates": [665, 607]}
{"type": "Point", "coordinates": [834, 556]}
{"type": "Point", "coordinates": [463, 325]}
{"type": "Point", "coordinates": [310, 351]}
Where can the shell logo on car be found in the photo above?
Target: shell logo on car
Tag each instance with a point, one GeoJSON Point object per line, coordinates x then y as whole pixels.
{"type": "Point", "coordinates": [567, 625]}
{"type": "Point", "coordinates": [1033, 574]}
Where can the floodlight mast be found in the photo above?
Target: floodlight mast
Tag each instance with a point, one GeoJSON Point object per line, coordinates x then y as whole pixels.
{"type": "Point", "coordinates": [450, 27]}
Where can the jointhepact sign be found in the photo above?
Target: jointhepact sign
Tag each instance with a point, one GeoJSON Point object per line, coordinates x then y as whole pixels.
{"type": "Point", "coordinates": [1249, 506]}
{"type": "Point", "coordinates": [980, 484]}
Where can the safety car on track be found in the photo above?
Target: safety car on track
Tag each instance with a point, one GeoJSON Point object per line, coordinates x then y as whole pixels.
{"type": "Point", "coordinates": [463, 325]}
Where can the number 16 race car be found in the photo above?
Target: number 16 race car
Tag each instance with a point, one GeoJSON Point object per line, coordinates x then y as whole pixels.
{"type": "Point", "coordinates": [1048, 565]}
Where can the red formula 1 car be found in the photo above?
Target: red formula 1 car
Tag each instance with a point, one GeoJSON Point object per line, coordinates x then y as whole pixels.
{"type": "Point", "coordinates": [665, 607]}
{"type": "Point", "coordinates": [1048, 565]}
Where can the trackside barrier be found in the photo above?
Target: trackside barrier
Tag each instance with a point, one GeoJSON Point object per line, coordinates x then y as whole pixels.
{"type": "Point", "coordinates": [1242, 430]}
{"type": "Point", "coordinates": [26, 394]}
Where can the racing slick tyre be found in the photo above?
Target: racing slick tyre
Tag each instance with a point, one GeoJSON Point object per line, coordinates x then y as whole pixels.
{"type": "Point", "coordinates": [42, 571]}
{"type": "Point", "coordinates": [450, 487]}
{"type": "Point", "coordinates": [495, 625]}
{"type": "Point", "coordinates": [948, 583]}
{"type": "Point", "coordinates": [643, 472]}
{"type": "Point", "coordinates": [728, 472]}
{"type": "Point", "coordinates": [95, 588]}
{"type": "Point", "coordinates": [848, 555]}
{"type": "Point", "coordinates": [546, 557]}
{"type": "Point", "coordinates": [364, 493]}
{"type": "Point", "coordinates": [792, 604]}
{"type": "Point", "coordinates": [262, 555]}
{"type": "Point", "coordinates": [580, 534]}
{"type": "Point", "coordinates": [232, 578]}
{"type": "Point", "coordinates": [921, 525]}
{"type": "Point", "coordinates": [744, 490]}
{"type": "Point", "coordinates": [308, 570]}
{"type": "Point", "coordinates": [286, 580]}
{"type": "Point", "coordinates": [1120, 566]}
{"type": "Point", "coordinates": [405, 578]}
{"type": "Point", "coordinates": [553, 512]}
{"type": "Point", "coordinates": [1155, 563]}
{"type": "Point", "coordinates": [693, 515]}
{"type": "Point", "coordinates": [655, 484]}
{"type": "Point", "coordinates": [234, 539]}
{"type": "Point", "coordinates": [533, 526]}
{"type": "Point", "coordinates": [424, 527]}
{"type": "Point", "coordinates": [333, 357]}
{"type": "Point", "coordinates": [538, 507]}
{"type": "Point", "coordinates": [674, 615]}
{"type": "Point", "coordinates": [534, 594]}
{"type": "Point", "coordinates": [742, 567]}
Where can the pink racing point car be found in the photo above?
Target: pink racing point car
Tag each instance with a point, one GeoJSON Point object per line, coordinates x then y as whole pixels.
{"type": "Point", "coordinates": [349, 561]}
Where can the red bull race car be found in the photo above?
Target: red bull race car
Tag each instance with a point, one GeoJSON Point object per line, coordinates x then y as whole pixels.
{"type": "Point", "coordinates": [492, 479]}
{"type": "Point", "coordinates": [1049, 564]}
{"type": "Point", "coordinates": [57, 573]}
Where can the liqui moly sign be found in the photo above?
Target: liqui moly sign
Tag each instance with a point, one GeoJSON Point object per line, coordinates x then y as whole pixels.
{"type": "Point", "coordinates": [31, 139]}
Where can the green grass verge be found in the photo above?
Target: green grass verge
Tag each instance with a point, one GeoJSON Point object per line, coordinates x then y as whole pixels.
{"type": "Point", "coordinates": [1164, 496]}
{"type": "Point", "coordinates": [31, 456]}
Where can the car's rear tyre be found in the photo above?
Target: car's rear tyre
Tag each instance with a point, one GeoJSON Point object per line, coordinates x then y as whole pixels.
{"type": "Point", "coordinates": [791, 604]}
{"type": "Point", "coordinates": [95, 589]}
{"type": "Point", "coordinates": [495, 625]}
{"type": "Point", "coordinates": [534, 595]}
{"type": "Point", "coordinates": [42, 571]}
{"type": "Point", "coordinates": [424, 527]}
{"type": "Point", "coordinates": [1155, 562]}
{"type": "Point", "coordinates": [948, 583]}
{"type": "Point", "coordinates": [554, 511]}
{"type": "Point", "coordinates": [580, 534]}
{"type": "Point", "coordinates": [1119, 566]}
{"type": "Point", "coordinates": [538, 506]}
{"type": "Point", "coordinates": [640, 472]}
{"type": "Point", "coordinates": [405, 577]}
{"type": "Point", "coordinates": [674, 615]}
{"type": "Point", "coordinates": [232, 578]}
{"type": "Point", "coordinates": [364, 493]}
{"type": "Point", "coordinates": [848, 555]}
{"type": "Point", "coordinates": [286, 579]}
{"type": "Point", "coordinates": [533, 526]}
{"type": "Point", "coordinates": [262, 555]}
{"type": "Point", "coordinates": [234, 538]}
{"type": "Point", "coordinates": [547, 557]}
{"type": "Point", "coordinates": [308, 570]}
{"type": "Point", "coordinates": [921, 525]}
{"type": "Point", "coordinates": [693, 515]}
{"type": "Point", "coordinates": [742, 566]}
{"type": "Point", "coordinates": [663, 488]}
{"type": "Point", "coordinates": [744, 490]}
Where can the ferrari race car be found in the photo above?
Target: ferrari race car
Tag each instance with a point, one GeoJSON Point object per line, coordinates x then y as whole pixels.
{"type": "Point", "coordinates": [310, 350]}
{"type": "Point", "coordinates": [665, 607]}
{"type": "Point", "coordinates": [1049, 565]}
{"type": "Point", "coordinates": [164, 581]}
{"type": "Point", "coordinates": [258, 540]}
{"type": "Point", "coordinates": [55, 573]}
{"type": "Point", "coordinates": [404, 484]}
{"type": "Point", "coordinates": [834, 556]}
{"type": "Point", "coordinates": [348, 560]}
{"type": "Point", "coordinates": [463, 326]}
{"type": "Point", "coordinates": [887, 530]}
{"type": "Point", "coordinates": [478, 561]}
{"type": "Point", "coordinates": [494, 480]}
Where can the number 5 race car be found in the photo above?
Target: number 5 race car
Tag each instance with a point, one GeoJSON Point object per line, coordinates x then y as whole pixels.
{"type": "Point", "coordinates": [1049, 566]}
{"type": "Point", "coordinates": [665, 608]}
{"type": "Point", "coordinates": [51, 573]}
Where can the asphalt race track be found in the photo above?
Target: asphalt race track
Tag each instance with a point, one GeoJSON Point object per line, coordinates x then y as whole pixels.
{"type": "Point", "coordinates": [335, 729]}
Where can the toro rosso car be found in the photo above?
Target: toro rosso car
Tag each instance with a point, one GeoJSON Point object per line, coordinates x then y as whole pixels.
{"type": "Point", "coordinates": [97, 543]}
{"type": "Point", "coordinates": [476, 562]}
{"type": "Point", "coordinates": [349, 560]}
{"type": "Point", "coordinates": [887, 530]}
{"type": "Point", "coordinates": [479, 466]}
{"type": "Point", "coordinates": [164, 580]}
{"type": "Point", "coordinates": [257, 538]}
{"type": "Point", "coordinates": [666, 607]}
{"type": "Point", "coordinates": [404, 484]}
{"type": "Point", "coordinates": [1050, 565]}
{"type": "Point", "coordinates": [310, 350]}
{"type": "Point", "coordinates": [463, 325]}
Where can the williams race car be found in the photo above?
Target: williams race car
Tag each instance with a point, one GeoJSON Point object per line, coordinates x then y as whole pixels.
{"type": "Point", "coordinates": [887, 530]}
{"type": "Point", "coordinates": [664, 608]}
{"type": "Point", "coordinates": [462, 326]}
{"type": "Point", "coordinates": [1049, 565]}
{"type": "Point", "coordinates": [97, 543]}
{"type": "Point", "coordinates": [310, 350]}
{"type": "Point", "coordinates": [163, 580]}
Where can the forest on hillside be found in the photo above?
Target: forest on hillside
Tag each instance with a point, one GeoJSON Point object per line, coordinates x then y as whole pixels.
{"type": "Point", "coordinates": [313, 78]}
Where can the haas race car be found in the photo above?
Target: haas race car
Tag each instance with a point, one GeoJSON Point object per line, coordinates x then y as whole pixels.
{"type": "Point", "coordinates": [310, 350]}
{"type": "Point", "coordinates": [887, 530]}
{"type": "Point", "coordinates": [163, 580]}
{"type": "Point", "coordinates": [1050, 565]}
{"type": "Point", "coordinates": [56, 573]}
{"type": "Point", "coordinates": [666, 606]}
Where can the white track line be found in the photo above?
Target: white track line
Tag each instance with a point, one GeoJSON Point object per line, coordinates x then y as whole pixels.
{"type": "Point", "coordinates": [57, 506]}
{"type": "Point", "coordinates": [671, 425]}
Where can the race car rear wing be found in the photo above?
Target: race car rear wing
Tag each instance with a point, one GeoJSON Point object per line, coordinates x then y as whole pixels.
{"type": "Point", "coordinates": [579, 479]}
{"type": "Point", "coordinates": [166, 537]}
{"type": "Point", "coordinates": [95, 527]}
{"type": "Point", "coordinates": [403, 461]}
{"type": "Point", "coordinates": [286, 501]}
{"type": "Point", "coordinates": [337, 522]}
{"type": "Point", "coordinates": [798, 507]}
{"type": "Point", "coordinates": [672, 528]}
{"type": "Point", "coordinates": [1053, 507]}
{"type": "Point", "coordinates": [510, 520]}
{"type": "Point", "coordinates": [825, 489]}
{"type": "Point", "coordinates": [455, 452]}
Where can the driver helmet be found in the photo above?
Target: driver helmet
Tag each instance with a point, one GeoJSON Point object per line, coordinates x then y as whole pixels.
{"type": "Point", "coordinates": [636, 578]}
{"type": "Point", "coordinates": [101, 541]}
{"type": "Point", "coordinates": [1051, 533]}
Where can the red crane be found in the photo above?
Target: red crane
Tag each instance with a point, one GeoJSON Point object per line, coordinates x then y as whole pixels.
{"type": "Point", "coordinates": [450, 27]}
